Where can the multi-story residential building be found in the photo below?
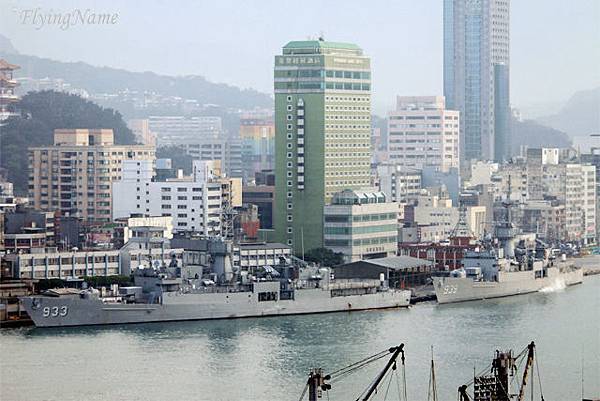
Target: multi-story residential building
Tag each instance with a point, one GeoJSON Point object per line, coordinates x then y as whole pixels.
{"type": "Point", "coordinates": [361, 225]}
{"type": "Point", "coordinates": [194, 203]}
{"type": "Point", "coordinates": [433, 218]}
{"type": "Point", "coordinates": [536, 159]}
{"type": "Point", "coordinates": [421, 132]}
{"type": "Point", "coordinates": [545, 218]}
{"type": "Point", "coordinates": [258, 144]}
{"type": "Point", "coordinates": [75, 175]}
{"type": "Point", "coordinates": [7, 90]}
{"type": "Point", "coordinates": [476, 75]}
{"type": "Point", "coordinates": [399, 184]}
{"type": "Point", "coordinates": [210, 147]}
{"type": "Point", "coordinates": [593, 158]}
{"type": "Point", "coordinates": [141, 130]}
{"type": "Point", "coordinates": [180, 130]}
{"type": "Point", "coordinates": [574, 185]}
{"type": "Point", "coordinates": [510, 182]}
{"type": "Point", "coordinates": [323, 128]}
{"type": "Point", "coordinates": [589, 203]}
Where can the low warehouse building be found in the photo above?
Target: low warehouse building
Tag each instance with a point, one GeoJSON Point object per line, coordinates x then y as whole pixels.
{"type": "Point", "coordinates": [398, 271]}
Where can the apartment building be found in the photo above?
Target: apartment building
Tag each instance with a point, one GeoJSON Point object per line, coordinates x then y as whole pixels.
{"type": "Point", "coordinates": [76, 173]}
{"type": "Point", "coordinates": [421, 132]}
{"type": "Point", "coordinates": [194, 203]}
{"type": "Point", "coordinates": [399, 184]}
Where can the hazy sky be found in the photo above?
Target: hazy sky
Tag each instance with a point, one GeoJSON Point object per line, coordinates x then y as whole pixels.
{"type": "Point", "coordinates": [555, 44]}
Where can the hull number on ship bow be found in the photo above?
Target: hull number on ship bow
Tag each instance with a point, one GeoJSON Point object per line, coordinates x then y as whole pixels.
{"type": "Point", "coordinates": [55, 311]}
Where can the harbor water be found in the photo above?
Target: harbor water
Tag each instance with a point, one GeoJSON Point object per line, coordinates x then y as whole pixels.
{"type": "Point", "coordinates": [269, 358]}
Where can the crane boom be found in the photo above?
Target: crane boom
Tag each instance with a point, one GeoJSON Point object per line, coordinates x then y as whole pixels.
{"type": "Point", "coordinates": [528, 366]}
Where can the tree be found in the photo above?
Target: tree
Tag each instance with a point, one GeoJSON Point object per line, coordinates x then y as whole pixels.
{"type": "Point", "coordinates": [324, 257]}
{"type": "Point", "coordinates": [42, 113]}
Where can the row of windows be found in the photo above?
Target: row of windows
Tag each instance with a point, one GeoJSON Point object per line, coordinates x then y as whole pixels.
{"type": "Point", "coordinates": [360, 230]}
{"type": "Point", "coordinates": [322, 86]}
{"type": "Point", "coordinates": [360, 242]}
{"type": "Point", "coordinates": [320, 73]}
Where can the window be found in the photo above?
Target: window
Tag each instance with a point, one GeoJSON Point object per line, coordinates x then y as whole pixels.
{"type": "Point", "coordinates": [290, 230]}
{"type": "Point", "coordinates": [290, 107]}
{"type": "Point", "coordinates": [289, 98]}
{"type": "Point", "coordinates": [289, 217]}
{"type": "Point", "coordinates": [165, 189]}
{"type": "Point", "coordinates": [289, 135]}
{"type": "Point", "coordinates": [267, 296]}
{"type": "Point", "coordinates": [290, 127]}
{"type": "Point", "coordinates": [165, 206]}
{"type": "Point", "coordinates": [181, 189]}
{"type": "Point", "coordinates": [182, 198]}
{"type": "Point", "coordinates": [181, 206]}
{"type": "Point", "coordinates": [289, 117]}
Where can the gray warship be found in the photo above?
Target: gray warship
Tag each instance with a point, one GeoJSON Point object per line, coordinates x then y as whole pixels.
{"type": "Point", "coordinates": [164, 293]}
{"type": "Point", "coordinates": [510, 263]}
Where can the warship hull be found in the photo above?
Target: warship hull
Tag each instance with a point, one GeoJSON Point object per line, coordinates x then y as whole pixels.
{"type": "Point", "coordinates": [77, 311]}
{"type": "Point", "coordinates": [460, 289]}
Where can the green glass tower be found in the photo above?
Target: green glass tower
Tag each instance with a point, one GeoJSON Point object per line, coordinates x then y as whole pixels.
{"type": "Point", "coordinates": [322, 134]}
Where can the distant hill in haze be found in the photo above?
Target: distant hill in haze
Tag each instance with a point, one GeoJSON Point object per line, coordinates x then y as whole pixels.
{"type": "Point", "coordinates": [579, 116]}
{"type": "Point", "coordinates": [535, 135]}
{"type": "Point", "coordinates": [111, 80]}
{"type": "Point", "coordinates": [6, 45]}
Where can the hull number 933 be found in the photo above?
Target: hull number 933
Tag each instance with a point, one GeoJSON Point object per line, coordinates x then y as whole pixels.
{"type": "Point", "coordinates": [55, 311]}
{"type": "Point", "coordinates": [450, 289]}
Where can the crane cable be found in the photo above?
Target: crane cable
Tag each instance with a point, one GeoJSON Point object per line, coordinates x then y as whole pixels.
{"type": "Point", "coordinates": [538, 374]}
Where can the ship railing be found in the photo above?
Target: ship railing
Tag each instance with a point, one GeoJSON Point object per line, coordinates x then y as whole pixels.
{"type": "Point", "coordinates": [216, 289]}
{"type": "Point", "coordinates": [353, 283]}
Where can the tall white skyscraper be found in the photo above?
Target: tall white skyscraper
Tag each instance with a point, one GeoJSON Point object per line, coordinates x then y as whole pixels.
{"type": "Point", "coordinates": [476, 74]}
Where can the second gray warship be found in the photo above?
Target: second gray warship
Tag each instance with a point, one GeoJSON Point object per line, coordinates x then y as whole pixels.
{"type": "Point", "coordinates": [510, 263]}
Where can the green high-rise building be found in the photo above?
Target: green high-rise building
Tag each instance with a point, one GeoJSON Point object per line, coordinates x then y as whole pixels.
{"type": "Point", "coordinates": [322, 134]}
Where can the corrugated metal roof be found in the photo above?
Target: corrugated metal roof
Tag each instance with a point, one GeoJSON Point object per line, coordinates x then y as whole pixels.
{"type": "Point", "coordinates": [398, 262]}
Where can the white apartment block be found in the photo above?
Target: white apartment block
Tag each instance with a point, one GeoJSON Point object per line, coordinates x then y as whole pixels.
{"type": "Point", "coordinates": [361, 225]}
{"type": "Point", "coordinates": [421, 132]}
{"type": "Point", "coordinates": [589, 203]}
{"type": "Point", "coordinates": [399, 184]}
{"type": "Point", "coordinates": [574, 185]}
{"type": "Point", "coordinates": [193, 203]}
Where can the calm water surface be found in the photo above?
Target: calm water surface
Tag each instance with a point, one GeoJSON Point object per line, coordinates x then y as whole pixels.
{"type": "Point", "coordinates": [268, 359]}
